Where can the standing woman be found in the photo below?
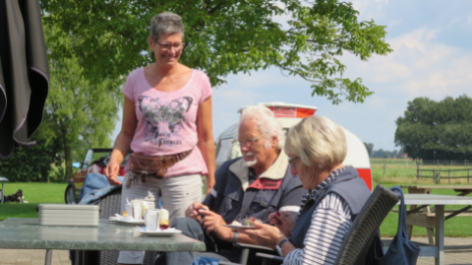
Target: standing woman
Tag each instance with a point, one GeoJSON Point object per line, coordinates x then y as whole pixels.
{"type": "Point", "coordinates": [167, 124]}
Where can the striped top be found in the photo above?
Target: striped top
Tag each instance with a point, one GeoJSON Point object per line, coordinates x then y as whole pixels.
{"type": "Point", "coordinates": [331, 221]}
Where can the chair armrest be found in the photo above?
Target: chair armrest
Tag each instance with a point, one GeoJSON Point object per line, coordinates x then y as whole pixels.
{"type": "Point", "coordinates": [242, 245]}
{"type": "Point", "coordinates": [267, 256]}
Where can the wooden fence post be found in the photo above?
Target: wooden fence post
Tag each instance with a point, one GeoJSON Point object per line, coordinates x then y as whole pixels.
{"type": "Point", "coordinates": [434, 176]}
{"type": "Point", "coordinates": [468, 174]}
{"type": "Point", "coordinates": [418, 170]}
{"type": "Point", "coordinates": [385, 165]}
{"type": "Point", "coordinates": [449, 176]}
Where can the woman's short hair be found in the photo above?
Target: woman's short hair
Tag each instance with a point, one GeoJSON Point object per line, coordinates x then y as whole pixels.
{"type": "Point", "coordinates": [164, 23]}
{"type": "Point", "coordinates": [317, 141]}
{"type": "Point", "coordinates": [265, 122]}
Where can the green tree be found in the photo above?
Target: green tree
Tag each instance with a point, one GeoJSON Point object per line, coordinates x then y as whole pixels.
{"type": "Point", "coordinates": [77, 116]}
{"type": "Point", "coordinates": [369, 147]}
{"type": "Point", "coordinates": [436, 130]}
{"type": "Point", "coordinates": [78, 113]}
{"type": "Point", "coordinates": [223, 37]}
{"type": "Point", "coordinates": [32, 163]}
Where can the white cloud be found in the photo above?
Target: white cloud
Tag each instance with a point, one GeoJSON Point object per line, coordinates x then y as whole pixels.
{"type": "Point", "coordinates": [419, 66]}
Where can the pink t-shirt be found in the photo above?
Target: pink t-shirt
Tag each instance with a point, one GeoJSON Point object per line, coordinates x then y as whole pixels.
{"type": "Point", "coordinates": [167, 121]}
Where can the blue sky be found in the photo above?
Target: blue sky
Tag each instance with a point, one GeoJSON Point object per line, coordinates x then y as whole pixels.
{"type": "Point", "coordinates": [432, 57]}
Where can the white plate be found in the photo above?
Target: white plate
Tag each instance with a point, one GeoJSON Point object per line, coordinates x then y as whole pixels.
{"type": "Point", "coordinates": [167, 232]}
{"type": "Point", "coordinates": [126, 220]}
{"type": "Point", "coordinates": [240, 226]}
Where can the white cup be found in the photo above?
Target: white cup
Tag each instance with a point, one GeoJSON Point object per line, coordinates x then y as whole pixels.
{"type": "Point", "coordinates": [129, 210]}
{"type": "Point", "coordinates": [137, 211]}
{"type": "Point", "coordinates": [151, 220]}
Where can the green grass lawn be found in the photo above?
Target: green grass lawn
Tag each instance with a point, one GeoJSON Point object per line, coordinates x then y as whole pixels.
{"type": "Point", "coordinates": [35, 193]}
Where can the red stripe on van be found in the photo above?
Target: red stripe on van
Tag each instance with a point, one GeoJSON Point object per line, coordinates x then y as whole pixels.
{"type": "Point", "coordinates": [366, 175]}
{"type": "Point", "coordinates": [291, 112]}
{"type": "Point", "coordinates": [302, 113]}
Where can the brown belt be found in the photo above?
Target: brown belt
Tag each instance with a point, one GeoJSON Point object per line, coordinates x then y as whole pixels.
{"type": "Point", "coordinates": [152, 166]}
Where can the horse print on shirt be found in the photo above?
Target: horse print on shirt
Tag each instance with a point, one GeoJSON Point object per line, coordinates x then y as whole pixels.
{"type": "Point", "coordinates": [163, 120]}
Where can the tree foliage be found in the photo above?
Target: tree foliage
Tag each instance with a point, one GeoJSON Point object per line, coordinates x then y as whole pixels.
{"type": "Point", "coordinates": [78, 115]}
{"type": "Point", "coordinates": [223, 37]}
{"type": "Point", "coordinates": [32, 163]}
{"type": "Point", "coordinates": [387, 154]}
{"type": "Point", "coordinates": [436, 130]}
{"type": "Point", "coordinates": [369, 147]}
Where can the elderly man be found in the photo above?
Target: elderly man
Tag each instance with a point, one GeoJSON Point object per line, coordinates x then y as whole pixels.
{"type": "Point", "coordinates": [255, 185]}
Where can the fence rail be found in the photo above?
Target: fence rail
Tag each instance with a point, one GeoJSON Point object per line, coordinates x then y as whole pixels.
{"type": "Point", "coordinates": [436, 174]}
{"type": "Point", "coordinates": [410, 162]}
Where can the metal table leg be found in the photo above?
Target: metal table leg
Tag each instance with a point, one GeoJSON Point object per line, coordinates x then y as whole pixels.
{"type": "Point", "coordinates": [48, 258]}
{"type": "Point", "coordinates": [439, 259]}
{"type": "Point", "coordinates": [3, 190]}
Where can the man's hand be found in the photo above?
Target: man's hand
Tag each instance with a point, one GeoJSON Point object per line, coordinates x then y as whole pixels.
{"type": "Point", "coordinates": [283, 221]}
{"type": "Point", "coordinates": [192, 210]}
{"type": "Point", "coordinates": [213, 222]}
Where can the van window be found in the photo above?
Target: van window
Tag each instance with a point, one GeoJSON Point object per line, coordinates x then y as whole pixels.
{"type": "Point", "coordinates": [224, 151]}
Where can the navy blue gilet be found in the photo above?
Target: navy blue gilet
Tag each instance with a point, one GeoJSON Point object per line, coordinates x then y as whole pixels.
{"type": "Point", "coordinates": [348, 185]}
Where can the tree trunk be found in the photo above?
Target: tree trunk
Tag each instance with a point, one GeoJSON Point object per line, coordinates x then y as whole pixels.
{"type": "Point", "coordinates": [68, 162]}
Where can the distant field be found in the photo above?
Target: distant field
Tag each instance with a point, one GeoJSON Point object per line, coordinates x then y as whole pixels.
{"type": "Point", "coordinates": [405, 171]}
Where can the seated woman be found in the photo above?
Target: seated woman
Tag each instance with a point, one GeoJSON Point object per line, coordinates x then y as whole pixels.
{"type": "Point", "coordinates": [316, 148]}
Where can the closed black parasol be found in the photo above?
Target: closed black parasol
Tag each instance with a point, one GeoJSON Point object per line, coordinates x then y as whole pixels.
{"type": "Point", "coordinates": [24, 73]}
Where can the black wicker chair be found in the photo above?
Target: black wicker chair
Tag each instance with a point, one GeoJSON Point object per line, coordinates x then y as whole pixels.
{"type": "Point", "coordinates": [110, 204]}
{"type": "Point", "coordinates": [359, 237]}
{"type": "Point", "coordinates": [365, 226]}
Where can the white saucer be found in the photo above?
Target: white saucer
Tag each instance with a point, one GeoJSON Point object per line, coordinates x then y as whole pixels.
{"type": "Point", "coordinates": [167, 232]}
{"type": "Point", "coordinates": [127, 220]}
{"type": "Point", "coordinates": [240, 226]}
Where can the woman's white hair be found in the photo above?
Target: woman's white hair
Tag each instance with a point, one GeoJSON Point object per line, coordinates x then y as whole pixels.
{"type": "Point", "coordinates": [265, 122]}
{"type": "Point", "coordinates": [317, 141]}
{"type": "Point", "coordinates": [164, 23]}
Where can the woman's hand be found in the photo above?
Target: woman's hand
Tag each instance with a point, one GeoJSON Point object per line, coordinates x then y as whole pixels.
{"type": "Point", "coordinates": [111, 172]}
{"type": "Point", "coordinates": [122, 142]}
{"type": "Point", "coordinates": [206, 143]}
{"type": "Point", "coordinates": [283, 221]}
{"type": "Point", "coordinates": [210, 184]}
{"type": "Point", "coordinates": [265, 235]}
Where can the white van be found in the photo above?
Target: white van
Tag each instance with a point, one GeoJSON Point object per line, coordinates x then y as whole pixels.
{"type": "Point", "coordinates": [288, 115]}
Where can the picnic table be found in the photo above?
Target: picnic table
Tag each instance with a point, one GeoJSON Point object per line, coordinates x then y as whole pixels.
{"type": "Point", "coordinates": [436, 248]}
{"type": "Point", "coordinates": [426, 189]}
{"type": "Point", "coordinates": [26, 233]}
{"type": "Point", "coordinates": [425, 216]}
{"type": "Point", "coordinates": [3, 180]}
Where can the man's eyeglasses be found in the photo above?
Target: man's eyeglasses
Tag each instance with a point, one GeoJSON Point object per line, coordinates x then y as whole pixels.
{"type": "Point", "coordinates": [247, 141]}
{"type": "Point", "coordinates": [167, 46]}
{"type": "Point", "coordinates": [291, 161]}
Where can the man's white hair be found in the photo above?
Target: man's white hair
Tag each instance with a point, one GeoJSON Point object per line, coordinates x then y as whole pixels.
{"type": "Point", "coordinates": [266, 123]}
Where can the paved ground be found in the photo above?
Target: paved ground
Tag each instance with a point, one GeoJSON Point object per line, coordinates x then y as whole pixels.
{"type": "Point", "coordinates": [458, 252]}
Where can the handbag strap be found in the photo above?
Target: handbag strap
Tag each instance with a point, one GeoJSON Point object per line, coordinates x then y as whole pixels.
{"type": "Point", "coordinates": [402, 229]}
